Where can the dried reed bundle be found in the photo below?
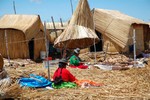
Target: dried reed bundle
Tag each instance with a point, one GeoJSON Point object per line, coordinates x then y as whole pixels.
{"type": "Point", "coordinates": [130, 84]}
{"type": "Point", "coordinates": [80, 31]}
{"type": "Point", "coordinates": [58, 26]}
{"type": "Point", "coordinates": [73, 36]}
{"type": "Point", "coordinates": [14, 91]}
{"type": "Point", "coordinates": [53, 36]}
{"type": "Point", "coordinates": [117, 29]}
{"type": "Point", "coordinates": [4, 84]}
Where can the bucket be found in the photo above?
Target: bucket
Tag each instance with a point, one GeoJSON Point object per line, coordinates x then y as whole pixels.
{"type": "Point", "coordinates": [43, 54]}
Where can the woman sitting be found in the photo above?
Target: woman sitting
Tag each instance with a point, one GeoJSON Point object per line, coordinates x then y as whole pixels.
{"type": "Point", "coordinates": [62, 76]}
{"type": "Point", "coordinates": [75, 61]}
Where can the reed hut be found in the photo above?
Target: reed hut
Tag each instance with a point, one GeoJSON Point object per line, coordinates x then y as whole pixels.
{"type": "Point", "coordinates": [55, 29]}
{"type": "Point", "coordinates": [116, 30]}
{"type": "Point", "coordinates": [21, 36]}
{"type": "Point", "coordinates": [80, 31]}
{"type": "Point", "coordinates": [56, 26]}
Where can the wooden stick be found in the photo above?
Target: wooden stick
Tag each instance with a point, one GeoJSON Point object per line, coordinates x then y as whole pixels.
{"type": "Point", "coordinates": [14, 7]}
{"type": "Point", "coordinates": [106, 52]}
{"type": "Point", "coordinates": [47, 49]}
{"type": "Point", "coordinates": [134, 42]}
{"type": "Point", "coordinates": [71, 6]}
{"type": "Point", "coordinates": [7, 49]}
{"type": "Point", "coordinates": [54, 26]}
{"type": "Point", "coordinates": [61, 24]}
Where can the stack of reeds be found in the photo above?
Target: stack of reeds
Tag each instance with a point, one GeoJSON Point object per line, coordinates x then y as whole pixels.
{"type": "Point", "coordinates": [4, 84]}
{"type": "Point", "coordinates": [5, 81]}
{"type": "Point", "coordinates": [53, 35]}
{"type": "Point", "coordinates": [80, 31]}
{"type": "Point", "coordinates": [129, 84]}
{"type": "Point", "coordinates": [116, 28]}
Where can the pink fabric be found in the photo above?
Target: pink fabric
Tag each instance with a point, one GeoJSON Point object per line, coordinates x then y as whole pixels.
{"type": "Point", "coordinates": [81, 66]}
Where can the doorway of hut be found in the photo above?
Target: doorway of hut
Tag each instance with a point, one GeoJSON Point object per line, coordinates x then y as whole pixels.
{"type": "Point", "coordinates": [54, 52]}
{"type": "Point", "coordinates": [31, 48]}
{"type": "Point", "coordinates": [99, 44]}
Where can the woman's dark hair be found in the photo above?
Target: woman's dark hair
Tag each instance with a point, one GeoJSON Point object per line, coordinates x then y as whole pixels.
{"type": "Point", "coordinates": [62, 65]}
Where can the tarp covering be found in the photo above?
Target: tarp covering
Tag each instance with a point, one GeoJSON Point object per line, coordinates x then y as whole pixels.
{"type": "Point", "coordinates": [80, 31]}
{"type": "Point", "coordinates": [34, 81]}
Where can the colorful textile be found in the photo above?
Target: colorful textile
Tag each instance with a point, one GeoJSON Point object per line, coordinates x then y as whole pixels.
{"type": "Point", "coordinates": [64, 85]}
{"type": "Point", "coordinates": [88, 83]}
{"type": "Point", "coordinates": [66, 75]}
{"type": "Point", "coordinates": [34, 81]}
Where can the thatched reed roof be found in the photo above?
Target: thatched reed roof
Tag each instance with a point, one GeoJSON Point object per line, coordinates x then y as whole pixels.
{"type": "Point", "coordinates": [28, 24]}
{"type": "Point", "coordinates": [115, 25]}
{"type": "Point", "coordinates": [58, 25]}
{"type": "Point", "coordinates": [80, 31]}
{"type": "Point", "coordinates": [53, 35]}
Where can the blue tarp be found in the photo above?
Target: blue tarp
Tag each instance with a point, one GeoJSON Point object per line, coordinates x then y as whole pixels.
{"type": "Point", "coordinates": [35, 81]}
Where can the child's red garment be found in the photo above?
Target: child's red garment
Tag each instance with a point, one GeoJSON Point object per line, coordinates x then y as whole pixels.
{"type": "Point", "coordinates": [66, 75]}
{"type": "Point", "coordinates": [81, 66]}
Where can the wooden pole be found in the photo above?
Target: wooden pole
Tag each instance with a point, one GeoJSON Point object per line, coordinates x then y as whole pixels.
{"type": "Point", "coordinates": [7, 47]}
{"type": "Point", "coordinates": [54, 26]}
{"type": "Point", "coordinates": [47, 50]}
{"type": "Point", "coordinates": [134, 42]}
{"type": "Point", "coordinates": [106, 52]}
{"type": "Point", "coordinates": [95, 51]}
{"type": "Point", "coordinates": [61, 22]}
{"type": "Point", "coordinates": [14, 7]}
{"type": "Point", "coordinates": [94, 38]}
{"type": "Point", "coordinates": [71, 6]}
{"type": "Point", "coordinates": [62, 31]}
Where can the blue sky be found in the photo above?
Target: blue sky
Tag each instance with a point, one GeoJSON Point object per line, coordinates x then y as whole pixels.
{"type": "Point", "coordinates": [62, 9]}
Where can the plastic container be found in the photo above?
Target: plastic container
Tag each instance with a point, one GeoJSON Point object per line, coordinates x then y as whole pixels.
{"type": "Point", "coordinates": [43, 54]}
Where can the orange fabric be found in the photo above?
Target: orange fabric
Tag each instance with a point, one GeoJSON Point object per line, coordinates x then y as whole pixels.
{"type": "Point", "coordinates": [80, 82]}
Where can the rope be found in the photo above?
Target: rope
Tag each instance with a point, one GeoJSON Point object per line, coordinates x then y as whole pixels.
{"type": "Point", "coordinates": [24, 41]}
